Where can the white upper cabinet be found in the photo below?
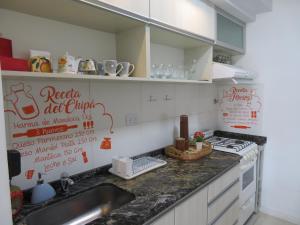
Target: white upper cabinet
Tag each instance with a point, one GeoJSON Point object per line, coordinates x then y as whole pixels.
{"type": "Point", "coordinates": [195, 16]}
{"type": "Point", "coordinates": [140, 7]}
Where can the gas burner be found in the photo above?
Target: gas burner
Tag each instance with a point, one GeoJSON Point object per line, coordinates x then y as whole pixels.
{"type": "Point", "coordinates": [230, 145]}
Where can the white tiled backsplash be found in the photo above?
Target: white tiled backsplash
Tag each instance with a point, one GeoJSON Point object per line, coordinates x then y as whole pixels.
{"type": "Point", "coordinates": [157, 123]}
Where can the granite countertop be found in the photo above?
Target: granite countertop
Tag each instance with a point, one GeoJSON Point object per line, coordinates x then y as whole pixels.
{"type": "Point", "coordinates": [156, 191]}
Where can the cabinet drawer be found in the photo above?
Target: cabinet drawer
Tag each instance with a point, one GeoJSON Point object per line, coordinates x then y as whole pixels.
{"type": "Point", "coordinates": [193, 211]}
{"type": "Point", "coordinates": [223, 201]}
{"type": "Point", "coordinates": [222, 183]}
{"type": "Point", "coordinates": [166, 219]}
{"type": "Point", "coordinates": [230, 216]}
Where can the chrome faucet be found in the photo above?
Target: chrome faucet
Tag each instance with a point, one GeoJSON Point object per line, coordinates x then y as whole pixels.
{"type": "Point", "coordinates": [65, 182]}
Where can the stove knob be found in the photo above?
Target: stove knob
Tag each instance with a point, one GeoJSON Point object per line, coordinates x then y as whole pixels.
{"type": "Point", "coordinates": [246, 157]}
{"type": "Point", "coordinates": [252, 155]}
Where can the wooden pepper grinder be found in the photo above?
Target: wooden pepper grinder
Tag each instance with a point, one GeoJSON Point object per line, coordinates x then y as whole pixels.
{"type": "Point", "coordinates": [184, 129]}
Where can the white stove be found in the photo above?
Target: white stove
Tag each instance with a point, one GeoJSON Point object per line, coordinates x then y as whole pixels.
{"type": "Point", "coordinates": [239, 147]}
{"type": "Point", "coordinates": [248, 150]}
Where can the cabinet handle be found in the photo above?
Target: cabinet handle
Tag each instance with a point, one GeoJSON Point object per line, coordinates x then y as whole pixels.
{"type": "Point", "coordinates": [236, 222]}
{"type": "Point", "coordinates": [223, 192]}
{"type": "Point", "coordinates": [224, 211]}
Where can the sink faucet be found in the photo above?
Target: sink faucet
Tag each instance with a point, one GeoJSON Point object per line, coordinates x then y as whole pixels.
{"type": "Point", "coordinates": [65, 182]}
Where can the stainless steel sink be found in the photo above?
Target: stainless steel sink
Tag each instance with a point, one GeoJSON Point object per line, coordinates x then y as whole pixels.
{"type": "Point", "coordinates": [82, 208]}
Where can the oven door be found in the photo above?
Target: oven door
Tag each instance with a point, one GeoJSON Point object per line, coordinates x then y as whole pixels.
{"type": "Point", "coordinates": [247, 181]}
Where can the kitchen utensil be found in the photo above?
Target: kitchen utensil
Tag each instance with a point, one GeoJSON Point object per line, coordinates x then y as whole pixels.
{"type": "Point", "coordinates": [161, 71]}
{"type": "Point", "coordinates": [40, 61]}
{"type": "Point", "coordinates": [40, 64]}
{"type": "Point", "coordinates": [127, 70]}
{"type": "Point", "coordinates": [169, 71]}
{"type": "Point", "coordinates": [112, 67]}
{"type": "Point", "coordinates": [68, 64]}
{"type": "Point", "coordinates": [100, 68]}
{"type": "Point", "coordinates": [88, 66]}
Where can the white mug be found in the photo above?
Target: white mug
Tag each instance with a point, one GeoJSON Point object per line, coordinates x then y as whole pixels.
{"type": "Point", "coordinates": [127, 70]}
{"type": "Point", "coordinates": [112, 67]}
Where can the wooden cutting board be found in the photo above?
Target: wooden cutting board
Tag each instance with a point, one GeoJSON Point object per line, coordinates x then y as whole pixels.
{"type": "Point", "coordinates": [188, 155]}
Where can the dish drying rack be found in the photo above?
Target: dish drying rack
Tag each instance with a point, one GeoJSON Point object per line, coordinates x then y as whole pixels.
{"type": "Point", "coordinates": [140, 166]}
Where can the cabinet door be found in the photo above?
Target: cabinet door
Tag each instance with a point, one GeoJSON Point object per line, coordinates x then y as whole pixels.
{"type": "Point", "coordinates": [192, 211]}
{"type": "Point", "coordinates": [140, 7]}
{"type": "Point", "coordinates": [230, 32]}
{"type": "Point", "coordinates": [167, 219]}
{"type": "Point", "coordinates": [230, 216]}
{"type": "Point", "coordinates": [195, 16]}
{"type": "Point", "coordinates": [223, 183]}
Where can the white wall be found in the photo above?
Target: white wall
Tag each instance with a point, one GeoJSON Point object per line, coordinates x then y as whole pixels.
{"type": "Point", "coordinates": [5, 211]}
{"type": "Point", "coordinates": [30, 32]}
{"type": "Point", "coordinates": [158, 122]}
{"type": "Point", "coordinates": [273, 50]}
{"type": "Point", "coordinates": [162, 54]}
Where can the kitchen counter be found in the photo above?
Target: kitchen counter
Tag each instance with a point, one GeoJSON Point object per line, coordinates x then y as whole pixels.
{"type": "Point", "coordinates": [159, 190]}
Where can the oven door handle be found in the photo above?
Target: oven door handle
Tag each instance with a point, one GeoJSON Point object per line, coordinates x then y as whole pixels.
{"type": "Point", "coordinates": [246, 205]}
{"type": "Point", "coordinates": [248, 165]}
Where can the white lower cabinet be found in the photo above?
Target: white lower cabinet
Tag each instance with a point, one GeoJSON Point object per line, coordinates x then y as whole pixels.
{"type": "Point", "coordinates": [223, 199]}
{"type": "Point", "coordinates": [230, 216]}
{"type": "Point", "coordinates": [192, 211]}
{"type": "Point", "coordinates": [166, 219]}
{"type": "Point", "coordinates": [217, 204]}
{"type": "Point", "coordinates": [220, 205]}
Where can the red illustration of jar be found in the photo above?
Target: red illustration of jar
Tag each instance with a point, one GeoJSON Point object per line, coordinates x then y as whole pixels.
{"type": "Point", "coordinates": [84, 157]}
{"type": "Point", "coordinates": [24, 104]}
{"type": "Point", "coordinates": [106, 143]}
{"type": "Point", "coordinates": [29, 174]}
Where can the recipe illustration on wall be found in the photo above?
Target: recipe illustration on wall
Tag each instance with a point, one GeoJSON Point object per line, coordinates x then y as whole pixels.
{"type": "Point", "coordinates": [54, 127]}
{"type": "Point", "coordinates": [240, 108]}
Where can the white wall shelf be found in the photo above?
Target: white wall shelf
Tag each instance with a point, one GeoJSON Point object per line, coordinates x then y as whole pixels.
{"type": "Point", "coordinates": [63, 76]}
{"type": "Point", "coordinates": [131, 39]}
{"type": "Point", "coordinates": [168, 47]}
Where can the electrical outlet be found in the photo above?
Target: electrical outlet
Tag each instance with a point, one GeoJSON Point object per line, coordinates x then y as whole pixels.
{"type": "Point", "coordinates": [131, 119]}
